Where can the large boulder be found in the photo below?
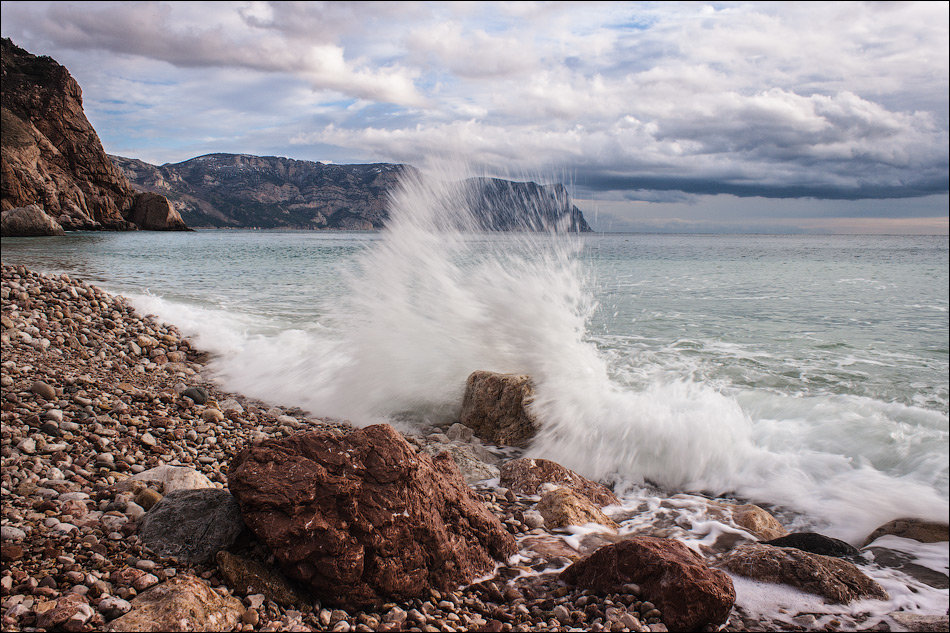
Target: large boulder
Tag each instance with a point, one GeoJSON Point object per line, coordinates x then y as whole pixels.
{"type": "Point", "coordinates": [363, 519]}
{"type": "Point", "coordinates": [191, 526]}
{"type": "Point", "coordinates": [153, 212]}
{"type": "Point", "coordinates": [526, 476]}
{"type": "Point", "coordinates": [28, 221]}
{"type": "Point", "coordinates": [562, 507]}
{"type": "Point", "coordinates": [836, 580]}
{"type": "Point", "coordinates": [676, 579]}
{"type": "Point", "coordinates": [184, 603]}
{"type": "Point", "coordinates": [916, 529]}
{"type": "Point", "coordinates": [495, 406]}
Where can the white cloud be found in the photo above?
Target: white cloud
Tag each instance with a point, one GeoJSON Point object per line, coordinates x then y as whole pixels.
{"type": "Point", "coordinates": [836, 99]}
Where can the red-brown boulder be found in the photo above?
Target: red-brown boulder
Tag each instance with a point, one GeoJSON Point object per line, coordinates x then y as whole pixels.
{"type": "Point", "coordinates": [363, 519]}
{"type": "Point", "coordinates": [527, 475]}
{"type": "Point", "coordinates": [688, 593]}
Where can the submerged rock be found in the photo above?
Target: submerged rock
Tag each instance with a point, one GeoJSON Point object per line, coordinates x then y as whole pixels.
{"type": "Point", "coordinates": [527, 475]}
{"type": "Point", "coordinates": [183, 603]}
{"type": "Point", "coordinates": [689, 594]}
{"type": "Point", "coordinates": [495, 407]}
{"type": "Point", "coordinates": [836, 580]}
{"type": "Point", "coordinates": [916, 529]}
{"type": "Point", "coordinates": [363, 519]}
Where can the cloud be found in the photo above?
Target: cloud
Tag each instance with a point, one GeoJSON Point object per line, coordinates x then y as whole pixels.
{"type": "Point", "coordinates": [658, 101]}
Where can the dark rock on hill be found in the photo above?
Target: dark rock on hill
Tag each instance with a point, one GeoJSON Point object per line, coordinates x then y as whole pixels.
{"type": "Point", "coordinates": [242, 191]}
{"type": "Point", "coordinates": [52, 156]}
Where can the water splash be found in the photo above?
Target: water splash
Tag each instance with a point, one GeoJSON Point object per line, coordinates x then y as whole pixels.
{"type": "Point", "coordinates": [434, 299]}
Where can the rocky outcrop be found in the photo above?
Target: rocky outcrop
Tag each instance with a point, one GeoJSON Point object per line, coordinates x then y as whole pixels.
{"type": "Point", "coordinates": [241, 191]}
{"type": "Point", "coordinates": [248, 576]}
{"type": "Point", "coordinates": [184, 603]}
{"type": "Point", "coordinates": [495, 407]}
{"type": "Point", "coordinates": [51, 155]}
{"type": "Point", "coordinates": [153, 212]}
{"type": "Point", "coordinates": [29, 221]}
{"type": "Point", "coordinates": [363, 519]}
{"type": "Point", "coordinates": [526, 476]}
{"type": "Point", "coordinates": [676, 579]}
{"type": "Point", "coordinates": [191, 526]}
{"type": "Point", "coordinates": [836, 580]}
{"type": "Point", "coordinates": [758, 521]}
{"type": "Point", "coordinates": [916, 529]}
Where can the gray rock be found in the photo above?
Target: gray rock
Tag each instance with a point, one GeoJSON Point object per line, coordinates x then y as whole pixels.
{"type": "Point", "coordinates": [10, 533]}
{"type": "Point", "coordinates": [198, 394]}
{"type": "Point", "coordinates": [191, 526]}
{"type": "Point", "coordinates": [28, 221]}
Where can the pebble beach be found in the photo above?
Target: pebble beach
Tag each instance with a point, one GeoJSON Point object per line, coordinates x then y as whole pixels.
{"type": "Point", "coordinates": [95, 395]}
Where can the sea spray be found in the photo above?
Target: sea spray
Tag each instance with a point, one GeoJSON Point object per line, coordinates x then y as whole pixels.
{"type": "Point", "coordinates": [433, 297]}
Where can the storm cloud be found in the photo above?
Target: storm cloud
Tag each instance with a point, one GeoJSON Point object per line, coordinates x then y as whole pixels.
{"type": "Point", "coordinates": [832, 101]}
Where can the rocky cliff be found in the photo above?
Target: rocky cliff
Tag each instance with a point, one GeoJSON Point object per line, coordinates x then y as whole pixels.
{"type": "Point", "coordinates": [52, 156]}
{"type": "Point", "coordinates": [240, 191]}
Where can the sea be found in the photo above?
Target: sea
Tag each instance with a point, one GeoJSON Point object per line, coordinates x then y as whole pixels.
{"type": "Point", "coordinates": [805, 373]}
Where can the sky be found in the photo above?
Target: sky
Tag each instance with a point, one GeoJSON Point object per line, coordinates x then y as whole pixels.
{"type": "Point", "coordinates": [685, 117]}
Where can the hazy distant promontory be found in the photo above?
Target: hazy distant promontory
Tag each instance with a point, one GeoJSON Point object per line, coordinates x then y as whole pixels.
{"type": "Point", "coordinates": [244, 191]}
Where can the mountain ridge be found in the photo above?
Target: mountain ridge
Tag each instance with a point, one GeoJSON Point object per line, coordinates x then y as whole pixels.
{"type": "Point", "coordinates": [245, 190]}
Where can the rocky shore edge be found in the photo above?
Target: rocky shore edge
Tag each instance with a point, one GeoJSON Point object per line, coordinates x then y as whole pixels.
{"type": "Point", "coordinates": [113, 440]}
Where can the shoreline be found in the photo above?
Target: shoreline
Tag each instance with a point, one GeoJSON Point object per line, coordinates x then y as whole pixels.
{"type": "Point", "coordinates": [94, 393]}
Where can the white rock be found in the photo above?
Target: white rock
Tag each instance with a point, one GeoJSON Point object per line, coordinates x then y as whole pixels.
{"type": "Point", "coordinates": [174, 478]}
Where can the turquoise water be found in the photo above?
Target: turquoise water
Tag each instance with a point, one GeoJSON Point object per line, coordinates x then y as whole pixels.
{"type": "Point", "coordinates": [807, 371]}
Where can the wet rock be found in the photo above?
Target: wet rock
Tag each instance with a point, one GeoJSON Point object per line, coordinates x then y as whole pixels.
{"type": "Point", "coordinates": [919, 623]}
{"type": "Point", "coordinates": [495, 407]}
{"type": "Point", "coordinates": [562, 507]}
{"type": "Point", "coordinates": [526, 475]}
{"type": "Point", "coordinates": [362, 519]}
{"type": "Point", "coordinates": [173, 478]}
{"type": "Point", "coordinates": [758, 521]}
{"type": "Point", "coordinates": [467, 460]}
{"type": "Point", "coordinates": [689, 594]}
{"type": "Point", "coordinates": [248, 577]}
{"type": "Point", "coordinates": [184, 603]}
{"type": "Point", "coordinates": [815, 543]}
{"type": "Point", "coordinates": [836, 580]}
{"type": "Point", "coordinates": [916, 529]}
{"type": "Point", "coordinates": [191, 526]}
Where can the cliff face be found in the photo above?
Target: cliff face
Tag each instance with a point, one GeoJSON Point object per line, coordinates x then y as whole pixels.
{"type": "Point", "coordinates": [238, 190]}
{"type": "Point", "coordinates": [51, 155]}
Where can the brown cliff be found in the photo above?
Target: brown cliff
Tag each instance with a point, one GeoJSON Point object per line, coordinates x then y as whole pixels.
{"type": "Point", "coordinates": [52, 156]}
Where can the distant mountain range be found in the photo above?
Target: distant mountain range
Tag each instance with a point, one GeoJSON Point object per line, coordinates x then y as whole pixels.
{"type": "Point", "coordinates": [243, 191]}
